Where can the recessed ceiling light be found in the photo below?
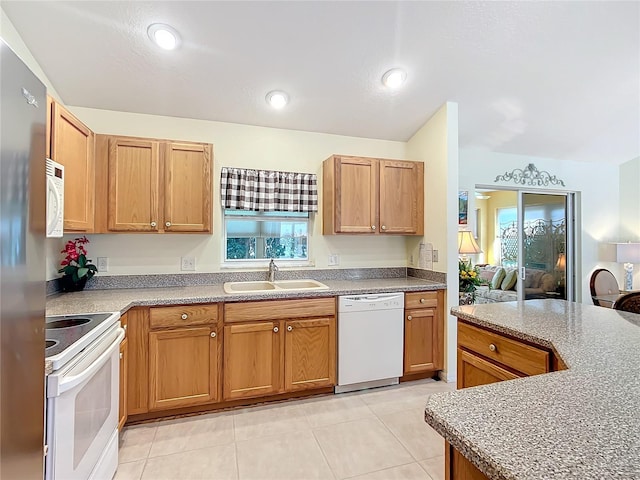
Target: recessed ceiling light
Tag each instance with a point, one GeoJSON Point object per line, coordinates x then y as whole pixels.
{"type": "Point", "coordinates": [164, 36]}
{"type": "Point", "coordinates": [277, 99]}
{"type": "Point", "coordinates": [394, 78]}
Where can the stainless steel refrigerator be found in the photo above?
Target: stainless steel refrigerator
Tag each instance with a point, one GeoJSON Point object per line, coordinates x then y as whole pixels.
{"type": "Point", "coordinates": [23, 107]}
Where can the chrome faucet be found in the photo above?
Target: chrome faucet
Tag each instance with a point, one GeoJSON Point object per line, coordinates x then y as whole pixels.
{"type": "Point", "coordinates": [273, 268]}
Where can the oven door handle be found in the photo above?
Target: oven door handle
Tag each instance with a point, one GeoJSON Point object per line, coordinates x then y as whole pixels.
{"type": "Point", "coordinates": [68, 382]}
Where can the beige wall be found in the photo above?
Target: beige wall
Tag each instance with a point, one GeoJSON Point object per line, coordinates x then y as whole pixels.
{"type": "Point", "coordinates": [436, 143]}
{"type": "Point", "coordinates": [239, 146]}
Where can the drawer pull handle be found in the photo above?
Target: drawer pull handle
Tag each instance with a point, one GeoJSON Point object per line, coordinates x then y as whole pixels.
{"type": "Point", "coordinates": [275, 329]}
{"type": "Point", "coordinates": [213, 334]}
{"type": "Point", "coordinates": [184, 316]}
{"type": "Point", "coordinates": [409, 317]}
{"type": "Point", "coordinates": [492, 347]}
{"type": "Point", "coordinates": [289, 328]}
{"type": "Point", "coordinates": [422, 300]}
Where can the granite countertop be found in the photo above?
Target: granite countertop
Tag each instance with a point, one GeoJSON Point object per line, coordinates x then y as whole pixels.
{"type": "Point", "coordinates": [580, 423]}
{"type": "Point", "coordinates": [122, 299]}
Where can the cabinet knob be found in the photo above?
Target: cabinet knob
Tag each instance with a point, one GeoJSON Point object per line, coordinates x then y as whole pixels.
{"type": "Point", "coordinates": [153, 224]}
{"type": "Point", "coordinates": [409, 317]}
{"type": "Point", "coordinates": [383, 227]}
{"type": "Point", "coordinates": [373, 227]}
{"type": "Point", "coordinates": [167, 224]}
{"type": "Point", "coordinates": [121, 355]}
{"type": "Point", "coordinates": [275, 329]}
{"type": "Point", "coordinates": [213, 334]}
{"type": "Point", "coordinates": [289, 328]}
{"type": "Point", "coordinates": [125, 327]}
{"type": "Point", "coordinates": [184, 316]}
{"type": "Point", "coordinates": [492, 347]}
{"type": "Point", "coordinates": [422, 300]}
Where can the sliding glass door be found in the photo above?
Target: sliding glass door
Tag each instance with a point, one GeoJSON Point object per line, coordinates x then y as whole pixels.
{"type": "Point", "coordinates": [545, 245]}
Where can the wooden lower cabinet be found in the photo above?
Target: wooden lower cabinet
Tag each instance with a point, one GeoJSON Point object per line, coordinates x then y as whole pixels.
{"type": "Point", "coordinates": [183, 367]}
{"type": "Point", "coordinates": [424, 332]}
{"type": "Point", "coordinates": [252, 359]}
{"type": "Point", "coordinates": [457, 467]}
{"type": "Point", "coordinates": [310, 354]}
{"type": "Point", "coordinates": [474, 370]}
{"type": "Point", "coordinates": [122, 404]}
{"type": "Point", "coordinates": [138, 361]}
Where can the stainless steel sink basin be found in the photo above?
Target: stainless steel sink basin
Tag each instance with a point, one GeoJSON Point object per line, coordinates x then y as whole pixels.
{"type": "Point", "coordinates": [273, 287]}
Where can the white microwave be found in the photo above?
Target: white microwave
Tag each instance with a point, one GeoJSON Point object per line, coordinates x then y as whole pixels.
{"type": "Point", "coordinates": [55, 199]}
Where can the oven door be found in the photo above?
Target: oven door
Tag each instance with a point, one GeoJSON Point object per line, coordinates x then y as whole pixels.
{"type": "Point", "coordinates": [82, 409]}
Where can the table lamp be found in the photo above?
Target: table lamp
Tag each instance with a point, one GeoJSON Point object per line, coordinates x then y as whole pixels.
{"type": "Point", "coordinates": [628, 253]}
{"type": "Point", "coordinates": [467, 245]}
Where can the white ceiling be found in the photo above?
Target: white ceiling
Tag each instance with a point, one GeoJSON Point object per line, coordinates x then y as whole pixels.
{"type": "Point", "coordinates": [550, 79]}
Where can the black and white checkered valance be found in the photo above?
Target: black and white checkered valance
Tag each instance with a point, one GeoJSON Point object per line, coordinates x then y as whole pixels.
{"type": "Point", "coordinates": [268, 191]}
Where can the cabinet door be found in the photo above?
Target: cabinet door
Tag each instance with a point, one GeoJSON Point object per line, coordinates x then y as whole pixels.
{"type": "Point", "coordinates": [124, 350]}
{"type": "Point", "coordinates": [474, 371]}
{"type": "Point", "coordinates": [356, 195]}
{"type": "Point", "coordinates": [183, 367]}
{"type": "Point", "coordinates": [401, 197]}
{"type": "Point", "coordinates": [138, 361]}
{"type": "Point", "coordinates": [252, 359]}
{"type": "Point", "coordinates": [423, 341]}
{"type": "Point", "coordinates": [187, 192]}
{"type": "Point", "coordinates": [133, 185]}
{"type": "Point", "coordinates": [310, 354]}
{"type": "Point", "coordinates": [73, 146]}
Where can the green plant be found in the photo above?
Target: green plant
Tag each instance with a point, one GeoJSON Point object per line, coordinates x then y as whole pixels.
{"type": "Point", "coordinates": [76, 265]}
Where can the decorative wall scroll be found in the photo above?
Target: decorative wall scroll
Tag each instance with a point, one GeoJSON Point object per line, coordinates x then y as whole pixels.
{"type": "Point", "coordinates": [530, 176]}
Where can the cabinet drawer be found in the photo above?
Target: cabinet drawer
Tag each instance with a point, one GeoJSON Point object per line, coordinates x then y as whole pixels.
{"type": "Point", "coordinates": [421, 300]}
{"type": "Point", "coordinates": [279, 309]}
{"type": "Point", "coordinates": [511, 353]}
{"type": "Point", "coordinates": [183, 316]}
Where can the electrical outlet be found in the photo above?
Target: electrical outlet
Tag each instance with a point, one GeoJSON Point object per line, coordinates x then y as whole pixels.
{"type": "Point", "coordinates": [103, 264]}
{"type": "Point", "coordinates": [435, 256]}
{"type": "Point", "coordinates": [188, 264]}
{"type": "Point", "coordinates": [333, 260]}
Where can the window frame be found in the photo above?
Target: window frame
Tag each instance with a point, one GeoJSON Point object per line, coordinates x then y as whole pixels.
{"type": "Point", "coordinates": [247, 263]}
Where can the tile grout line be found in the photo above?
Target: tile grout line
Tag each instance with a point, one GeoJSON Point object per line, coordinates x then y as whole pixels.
{"type": "Point", "coordinates": [384, 469]}
{"type": "Point", "coordinates": [235, 445]}
{"type": "Point", "coordinates": [398, 439]}
{"type": "Point", "coordinates": [324, 456]}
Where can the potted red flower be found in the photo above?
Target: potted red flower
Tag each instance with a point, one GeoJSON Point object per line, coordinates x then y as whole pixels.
{"type": "Point", "coordinates": [76, 266]}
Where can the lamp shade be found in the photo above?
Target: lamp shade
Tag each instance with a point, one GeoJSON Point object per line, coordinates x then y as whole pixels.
{"type": "Point", "coordinates": [467, 244]}
{"type": "Point", "coordinates": [561, 264]}
{"type": "Point", "coordinates": [628, 252]}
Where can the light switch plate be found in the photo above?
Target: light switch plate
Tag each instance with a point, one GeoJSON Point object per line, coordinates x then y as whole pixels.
{"type": "Point", "coordinates": [188, 264]}
{"type": "Point", "coordinates": [435, 256]}
{"type": "Point", "coordinates": [333, 260]}
{"type": "Point", "coordinates": [103, 264]}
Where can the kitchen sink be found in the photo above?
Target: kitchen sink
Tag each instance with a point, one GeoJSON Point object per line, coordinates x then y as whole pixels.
{"type": "Point", "coordinates": [273, 287]}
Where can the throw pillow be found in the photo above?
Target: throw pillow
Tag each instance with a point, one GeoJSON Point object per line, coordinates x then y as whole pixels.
{"type": "Point", "coordinates": [497, 279]}
{"type": "Point", "coordinates": [510, 280]}
{"type": "Point", "coordinates": [487, 275]}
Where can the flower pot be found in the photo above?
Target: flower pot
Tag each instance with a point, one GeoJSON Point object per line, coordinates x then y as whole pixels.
{"type": "Point", "coordinates": [68, 285]}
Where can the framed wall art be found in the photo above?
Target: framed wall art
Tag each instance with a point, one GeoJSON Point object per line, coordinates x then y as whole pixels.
{"type": "Point", "coordinates": [463, 207]}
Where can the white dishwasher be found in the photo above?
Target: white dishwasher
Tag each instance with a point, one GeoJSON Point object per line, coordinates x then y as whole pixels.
{"type": "Point", "coordinates": [370, 340]}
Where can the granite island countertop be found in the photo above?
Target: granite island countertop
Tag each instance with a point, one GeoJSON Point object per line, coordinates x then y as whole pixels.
{"type": "Point", "coordinates": [122, 299]}
{"type": "Point", "coordinates": [581, 423]}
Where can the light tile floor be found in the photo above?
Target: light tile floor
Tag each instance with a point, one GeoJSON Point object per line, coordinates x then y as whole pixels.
{"type": "Point", "coordinates": [377, 434]}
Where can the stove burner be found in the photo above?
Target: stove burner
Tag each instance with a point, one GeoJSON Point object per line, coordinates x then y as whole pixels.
{"type": "Point", "coordinates": [66, 323]}
{"type": "Point", "coordinates": [50, 343]}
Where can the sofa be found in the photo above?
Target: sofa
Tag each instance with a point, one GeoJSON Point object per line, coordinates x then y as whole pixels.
{"type": "Point", "coordinates": [536, 284]}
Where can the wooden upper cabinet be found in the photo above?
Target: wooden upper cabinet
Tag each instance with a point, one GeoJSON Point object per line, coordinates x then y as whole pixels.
{"type": "Point", "coordinates": [153, 185]}
{"type": "Point", "coordinates": [72, 145]}
{"type": "Point", "coordinates": [133, 185]}
{"type": "Point", "coordinates": [353, 184]}
{"type": "Point", "coordinates": [401, 197]}
{"type": "Point", "coordinates": [187, 190]}
{"type": "Point", "coordinates": [310, 354]}
{"type": "Point", "coordinates": [372, 196]}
